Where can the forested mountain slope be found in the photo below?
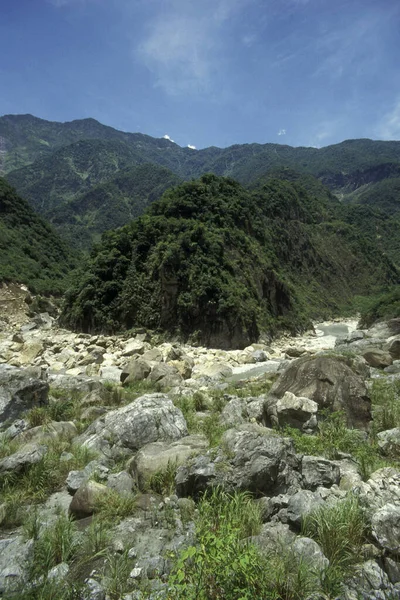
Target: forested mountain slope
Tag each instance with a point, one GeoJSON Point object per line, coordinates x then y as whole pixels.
{"type": "Point", "coordinates": [31, 252]}
{"type": "Point", "coordinates": [216, 262]}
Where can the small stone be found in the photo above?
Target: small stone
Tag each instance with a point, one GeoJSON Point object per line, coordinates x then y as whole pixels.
{"type": "Point", "coordinates": [136, 573]}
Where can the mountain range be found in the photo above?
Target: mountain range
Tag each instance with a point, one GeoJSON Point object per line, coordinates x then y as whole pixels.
{"type": "Point", "coordinates": [217, 245]}
{"type": "Point", "coordinates": [56, 165]}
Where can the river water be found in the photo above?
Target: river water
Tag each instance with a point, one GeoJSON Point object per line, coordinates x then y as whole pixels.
{"type": "Point", "coordinates": [324, 338]}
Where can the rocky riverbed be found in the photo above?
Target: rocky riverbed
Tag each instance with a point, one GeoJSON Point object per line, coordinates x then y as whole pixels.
{"type": "Point", "coordinates": [125, 435]}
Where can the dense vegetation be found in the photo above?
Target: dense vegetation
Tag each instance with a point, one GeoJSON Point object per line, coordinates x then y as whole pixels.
{"type": "Point", "coordinates": [122, 198]}
{"type": "Point", "coordinates": [386, 307]}
{"type": "Point", "coordinates": [216, 262]}
{"type": "Point", "coordinates": [30, 251]}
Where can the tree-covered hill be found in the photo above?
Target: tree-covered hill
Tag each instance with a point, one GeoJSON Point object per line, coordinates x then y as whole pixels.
{"type": "Point", "coordinates": [222, 264]}
{"type": "Point", "coordinates": [31, 252]}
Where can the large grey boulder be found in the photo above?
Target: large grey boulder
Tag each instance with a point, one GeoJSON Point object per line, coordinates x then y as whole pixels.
{"type": "Point", "coordinates": [19, 392]}
{"type": "Point", "coordinates": [234, 413]}
{"type": "Point", "coordinates": [385, 525]}
{"type": "Point", "coordinates": [329, 382]}
{"type": "Point", "coordinates": [158, 456]}
{"type": "Point", "coordinates": [166, 375]}
{"type": "Point", "coordinates": [51, 431]}
{"type": "Point", "coordinates": [252, 458]}
{"type": "Point", "coordinates": [28, 455]}
{"type": "Point", "coordinates": [150, 418]}
{"type": "Point", "coordinates": [369, 582]}
{"type": "Point", "coordinates": [309, 552]}
{"type": "Point", "coordinates": [15, 559]}
{"type": "Point", "coordinates": [394, 348]}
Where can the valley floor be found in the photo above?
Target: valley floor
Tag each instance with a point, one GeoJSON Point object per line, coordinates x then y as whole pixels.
{"type": "Point", "coordinates": [136, 469]}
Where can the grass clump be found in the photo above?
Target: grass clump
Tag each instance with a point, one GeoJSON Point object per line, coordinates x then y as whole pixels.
{"type": "Point", "coordinates": [38, 481]}
{"type": "Point", "coordinates": [111, 506]}
{"type": "Point", "coordinates": [226, 565]}
{"type": "Point", "coordinates": [163, 481]}
{"type": "Point", "coordinates": [333, 437]}
{"type": "Point", "coordinates": [58, 543]}
{"type": "Point", "coordinates": [385, 398]}
{"type": "Point", "coordinates": [116, 575]}
{"type": "Point", "coordinates": [340, 530]}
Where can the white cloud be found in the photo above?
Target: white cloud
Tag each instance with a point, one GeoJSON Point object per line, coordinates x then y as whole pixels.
{"type": "Point", "coordinates": [183, 44]}
{"type": "Point", "coordinates": [167, 137]}
{"type": "Point", "coordinates": [191, 147]}
{"type": "Point", "coordinates": [282, 132]}
{"type": "Point", "coordinates": [389, 126]}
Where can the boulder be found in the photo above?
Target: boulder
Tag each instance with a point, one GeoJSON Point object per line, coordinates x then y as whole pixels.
{"type": "Point", "coordinates": [318, 471]}
{"type": "Point", "coordinates": [251, 458]}
{"type": "Point", "coordinates": [76, 479]}
{"type": "Point", "coordinates": [385, 527]}
{"type": "Point", "coordinates": [234, 413]}
{"type": "Point", "coordinates": [16, 556]}
{"type": "Point", "coordinates": [19, 392]}
{"type": "Point", "coordinates": [383, 487]}
{"type": "Point", "coordinates": [212, 370]}
{"type": "Point", "coordinates": [369, 582]}
{"type": "Point", "coordinates": [133, 346]}
{"type": "Point", "coordinates": [165, 375]}
{"type": "Point", "coordinates": [301, 504]}
{"type": "Point", "coordinates": [308, 552]}
{"type": "Point", "coordinates": [121, 482]}
{"type": "Point", "coordinates": [394, 348]}
{"type": "Point", "coordinates": [28, 455]}
{"type": "Point", "coordinates": [294, 351]}
{"type": "Point", "coordinates": [150, 418]}
{"type": "Point", "coordinates": [159, 455]}
{"type": "Point", "coordinates": [329, 382]}
{"type": "Point", "coordinates": [110, 373]}
{"type": "Point", "coordinates": [389, 441]}
{"type": "Point", "coordinates": [296, 412]}
{"type": "Point", "coordinates": [50, 431]}
{"type": "Point", "coordinates": [377, 358]}
{"type": "Point", "coordinates": [30, 351]}
{"type": "Point", "coordinates": [135, 370]}
{"type": "Point", "coordinates": [83, 504]}
{"type": "Point", "coordinates": [153, 355]}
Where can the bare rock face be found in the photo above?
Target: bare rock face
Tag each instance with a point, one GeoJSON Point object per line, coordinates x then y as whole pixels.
{"type": "Point", "coordinates": [19, 392]}
{"type": "Point", "coordinates": [327, 381]}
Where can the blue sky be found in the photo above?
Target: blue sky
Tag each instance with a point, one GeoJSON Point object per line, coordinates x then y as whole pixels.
{"type": "Point", "coordinates": [207, 72]}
